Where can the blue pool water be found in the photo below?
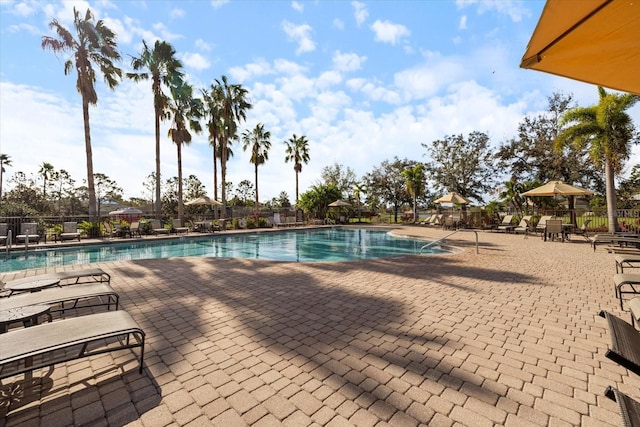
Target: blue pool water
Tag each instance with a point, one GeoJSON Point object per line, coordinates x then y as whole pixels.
{"type": "Point", "coordinates": [316, 245]}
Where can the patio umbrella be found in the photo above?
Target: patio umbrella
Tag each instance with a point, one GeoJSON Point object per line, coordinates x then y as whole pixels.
{"type": "Point", "coordinates": [594, 41]}
{"type": "Point", "coordinates": [204, 200]}
{"type": "Point", "coordinates": [557, 188]}
{"type": "Point", "coordinates": [454, 198]}
{"type": "Point", "coordinates": [339, 204]}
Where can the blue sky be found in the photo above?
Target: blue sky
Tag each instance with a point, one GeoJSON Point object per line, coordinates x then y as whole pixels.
{"type": "Point", "coordinates": [364, 81]}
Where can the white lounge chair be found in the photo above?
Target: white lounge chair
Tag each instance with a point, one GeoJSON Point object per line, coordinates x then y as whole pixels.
{"type": "Point", "coordinates": [28, 230]}
{"type": "Point", "coordinates": [3, 233]}
{"type": "Point", "coordinates": [177, 226]}
{"type": "Point", "coordinates": [40, 346]}
{"type": "Point", "coordinates": [157, 227]}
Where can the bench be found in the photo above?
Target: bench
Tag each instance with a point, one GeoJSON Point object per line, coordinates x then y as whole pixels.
{"type": "Point", "coordinates": [45, 345]}
{"type": "Point", "coordinates": [630, 261]}
{"type": "Point", "coordinates": [629, 408]}
{"type": "Point", "coordinates": [631, 281]}
{"type": "Point", "coordinates": [66, 298]}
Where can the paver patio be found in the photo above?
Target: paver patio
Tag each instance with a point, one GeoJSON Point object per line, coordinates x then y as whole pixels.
{"type": "Point", "coordinates": [509, 336]}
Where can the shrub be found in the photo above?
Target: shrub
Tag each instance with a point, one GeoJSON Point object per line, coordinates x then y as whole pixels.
{"type": "Point", "coordinates": [262, 222]}
{"type": "Point", "coordinates": [251, 223]}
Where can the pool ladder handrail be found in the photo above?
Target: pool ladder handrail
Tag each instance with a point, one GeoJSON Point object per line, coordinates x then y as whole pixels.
{"type": "Point", "coordinates": [8, 243]}
{"type": "Point", "coordinates": [451, 234]}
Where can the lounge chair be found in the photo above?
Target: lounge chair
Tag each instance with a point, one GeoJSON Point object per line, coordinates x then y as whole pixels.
{"type": "Point", "coordinates": [66, 298]}
{"type": "Point", "coordinates": [157, 227]}
{"type": "Point", "coordinates": [506, 224]}
{"type": "Point", "coordinates": [110, 230]}
{"type": "Point", "coordinates": [28, 230]}
{"type": "Point", "coordinates": [523, 226]}
{"type": "Point", "coordinates": [70, 231]}
{"type": "Point", "coordinates": [623, 241]}
{"type": "Point", "coordinates": [428, 221]}
{"type": "Point", "coordinates": [44, 345]}
{"type": "Point", "coordinates": [629, 407]}
{"type": "Point", "coordinates": [623, 281]}
{"type": "Point", "coordinates": [134, 229]}
{"type": "Point", "coordinates": [71, 277]}
{"type": "Point", "coordinates": [622, 261]}
{"type": "Point", "coordinates": [3, 233]}
{"type": "Point", "coordinates": [625, 342]}
{"type": "Point", "coordinates": [582, 231]}
{"type": "Point", "coordinates": [177, 226]}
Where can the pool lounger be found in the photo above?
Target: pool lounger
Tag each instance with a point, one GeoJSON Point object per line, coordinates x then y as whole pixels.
{"type": "Point", "coordinates": [631, 281]}
{"type": "Point", "coordinates": [66, 298]}
{"type": "Point", "coordinates": [630, 261]}
{"type": "Point", "coordinates": [71, 277]}
{"type": "Point", "coordinates": [44, 345]}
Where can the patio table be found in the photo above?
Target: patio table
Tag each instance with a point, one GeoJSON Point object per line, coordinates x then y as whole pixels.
{"type": "Point", "coordinates": [28, 315]}
{"type": "Point", "coordinates": [32, 285]}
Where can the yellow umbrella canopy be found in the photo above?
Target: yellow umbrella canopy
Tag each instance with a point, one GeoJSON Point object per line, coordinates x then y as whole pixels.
{"type": "Point", "coordinates": [454, 198]}
{"type": "Point", "coordinates": [338, 204]}
{"type": "Point", "coordinates": [594, 41]}
{"type": "Point", "coordinates": [204, 200]}
{"type": "Point", "coordinates": [557, 188]}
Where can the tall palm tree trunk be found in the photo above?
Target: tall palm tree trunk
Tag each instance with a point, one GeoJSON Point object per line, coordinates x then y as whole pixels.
{"type": "Point", "coordinates": [87, 142]}
{"type": "Point", "coordinates": [257, 205]}
{"type": "Point", "coordinates": [157, 205]}
{"type": "Point", "coordinates": [223, 176]}
{"type": "Point", "coordinates": [611, 196]}
{"type": "Point", "coordinates": [296, 189]}
{"type": "Point", "coordinates": [180, 205]}
{"type": "Point", "coordinates": [215, 169]}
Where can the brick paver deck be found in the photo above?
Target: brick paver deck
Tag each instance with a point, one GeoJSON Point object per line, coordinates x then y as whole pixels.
{"type": "Point", "coordinates": [509, 336]}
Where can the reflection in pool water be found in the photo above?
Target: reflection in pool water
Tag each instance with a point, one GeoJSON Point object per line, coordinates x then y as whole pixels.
{"type": "Point", "coordinates": [313, 245]}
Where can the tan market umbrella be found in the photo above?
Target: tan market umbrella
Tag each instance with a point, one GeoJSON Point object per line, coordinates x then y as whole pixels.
{"type": "Point", "coordinates": [557, 188]}
{"type": "Point", "coordinates": [339, 204]}
{"type": "Point", "coordinates": [204, 200]}
{"type": "Point", "coordinates": [454, 198]}
{"type": "Point", "coordinates": [594, 41]}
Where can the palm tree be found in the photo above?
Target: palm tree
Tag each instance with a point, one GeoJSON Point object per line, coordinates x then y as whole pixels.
{"type": "Point", "coordinates": [259, 141]}
{"type": "Point", "coordinates": [95, 46]}
{"type": "Point", "coordinates": [414, 177]}
{"type": "Point", "coordinates": [297, 151]}
{"type": "Point", "coordinates": [511, 194]}
{"type": "Point", "coordinates": [235, 104]}
{"type": "Point", "coordinates": [163, 68]}
{"type": "Point", "coordinates": [359, 188]}
{"type": "Point", "coordinates": [46, 171]}
{"type": "Point", "coordinates": [5, 160]}
{"type": "Point", "coordinates": [185, 112]}
{"type": "Point", "coordinates": [608, 131]}
{"type": "Point", "coordinates": [213, 113]}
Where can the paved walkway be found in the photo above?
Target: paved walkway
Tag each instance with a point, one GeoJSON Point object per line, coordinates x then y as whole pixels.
{"type": "Point", "coordinates": [509, 336]}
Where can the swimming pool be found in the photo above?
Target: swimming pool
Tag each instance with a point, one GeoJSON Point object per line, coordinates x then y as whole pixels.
{"type": "Point", "coordinates": [313, 245]}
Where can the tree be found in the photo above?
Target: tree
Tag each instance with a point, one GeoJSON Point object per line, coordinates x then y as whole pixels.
{"type": "Point", "coordinates": [233, 110]}
{"type": "Point", "coordinates": [340, 176]}
{"type": "Point", "coordinates": [185, 112]}
{"type": "Point", "coordinates": [212, 100]}
{"type": "Point", "coordinates": [150, 184]}
{"type": "Point", "coordinates": [463, 166]}
{"type": "Point", "coordinates": [607, 130]}
{"type": "Point", "coordinates": [297, 151]}
{"type": "Point", "coordinates": [259, 141]}
{"type": "Point", "coordinates": [415, 179]}
{"type": "Point", "coordinates": [511, 194]}
{"type": "Point", "coordinates": [5, 160]}
{"type": "Point", "coordinates": [316, 201]}
{"type": "Point", "coordinates": [359, 189]}
{"type": "Point", "coordinates": [245, 191]}
{"type": "Point", "coordinates": [164, 69]}
{"type": "Point", "coordinates": [387, 185]}
{"type": "Point", "coordinates": [64, 186]}
{"type": "Point", "coordinates": [629, 189]}
{"type": "Point", "coordinates": [95, 46]}
{"type": "Point", "coordinates": [531, 155]}
{"type": "Point", "coordinates": [45, 171]}
{"type": "Point", "coordinates": [106, 189]}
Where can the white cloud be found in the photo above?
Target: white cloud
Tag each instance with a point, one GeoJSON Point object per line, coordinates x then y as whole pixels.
{"type": "Point", "coordinates": [285, 66]}
{"type": "Point", "coordinates": [195, 60]}
{"type": "Point", "coordinates": [176, 13]}
{"type": "Point", "coordinates": [338, 23]}
{"type": "Point", "coordinates": [255, 69]}
{"type": "Point", "coordinates": [301, 35]}
{"type": "Point", "coordinates": [24, 27]}
{"type": "Point", "coordinates": [515, 10]}
{"type": "Point", "coordinates": [462, 25]}
{"type": "Point", "coordinates": [328, 79]}
{"type": "Point", "coordinates": [297, 6]}
{"type": "Point", "coordinates": [359, 12]}
{"type": "Point", "coordinates": [203, 45]}
{"type": "Point", "coordinates": [218, 3]}
{"type": "Point", "coordinates": [165, 34]}
{"type": "Point", "coordinates": [348, 61]}
{"type": "Point", "coordinates": [388, 32]}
